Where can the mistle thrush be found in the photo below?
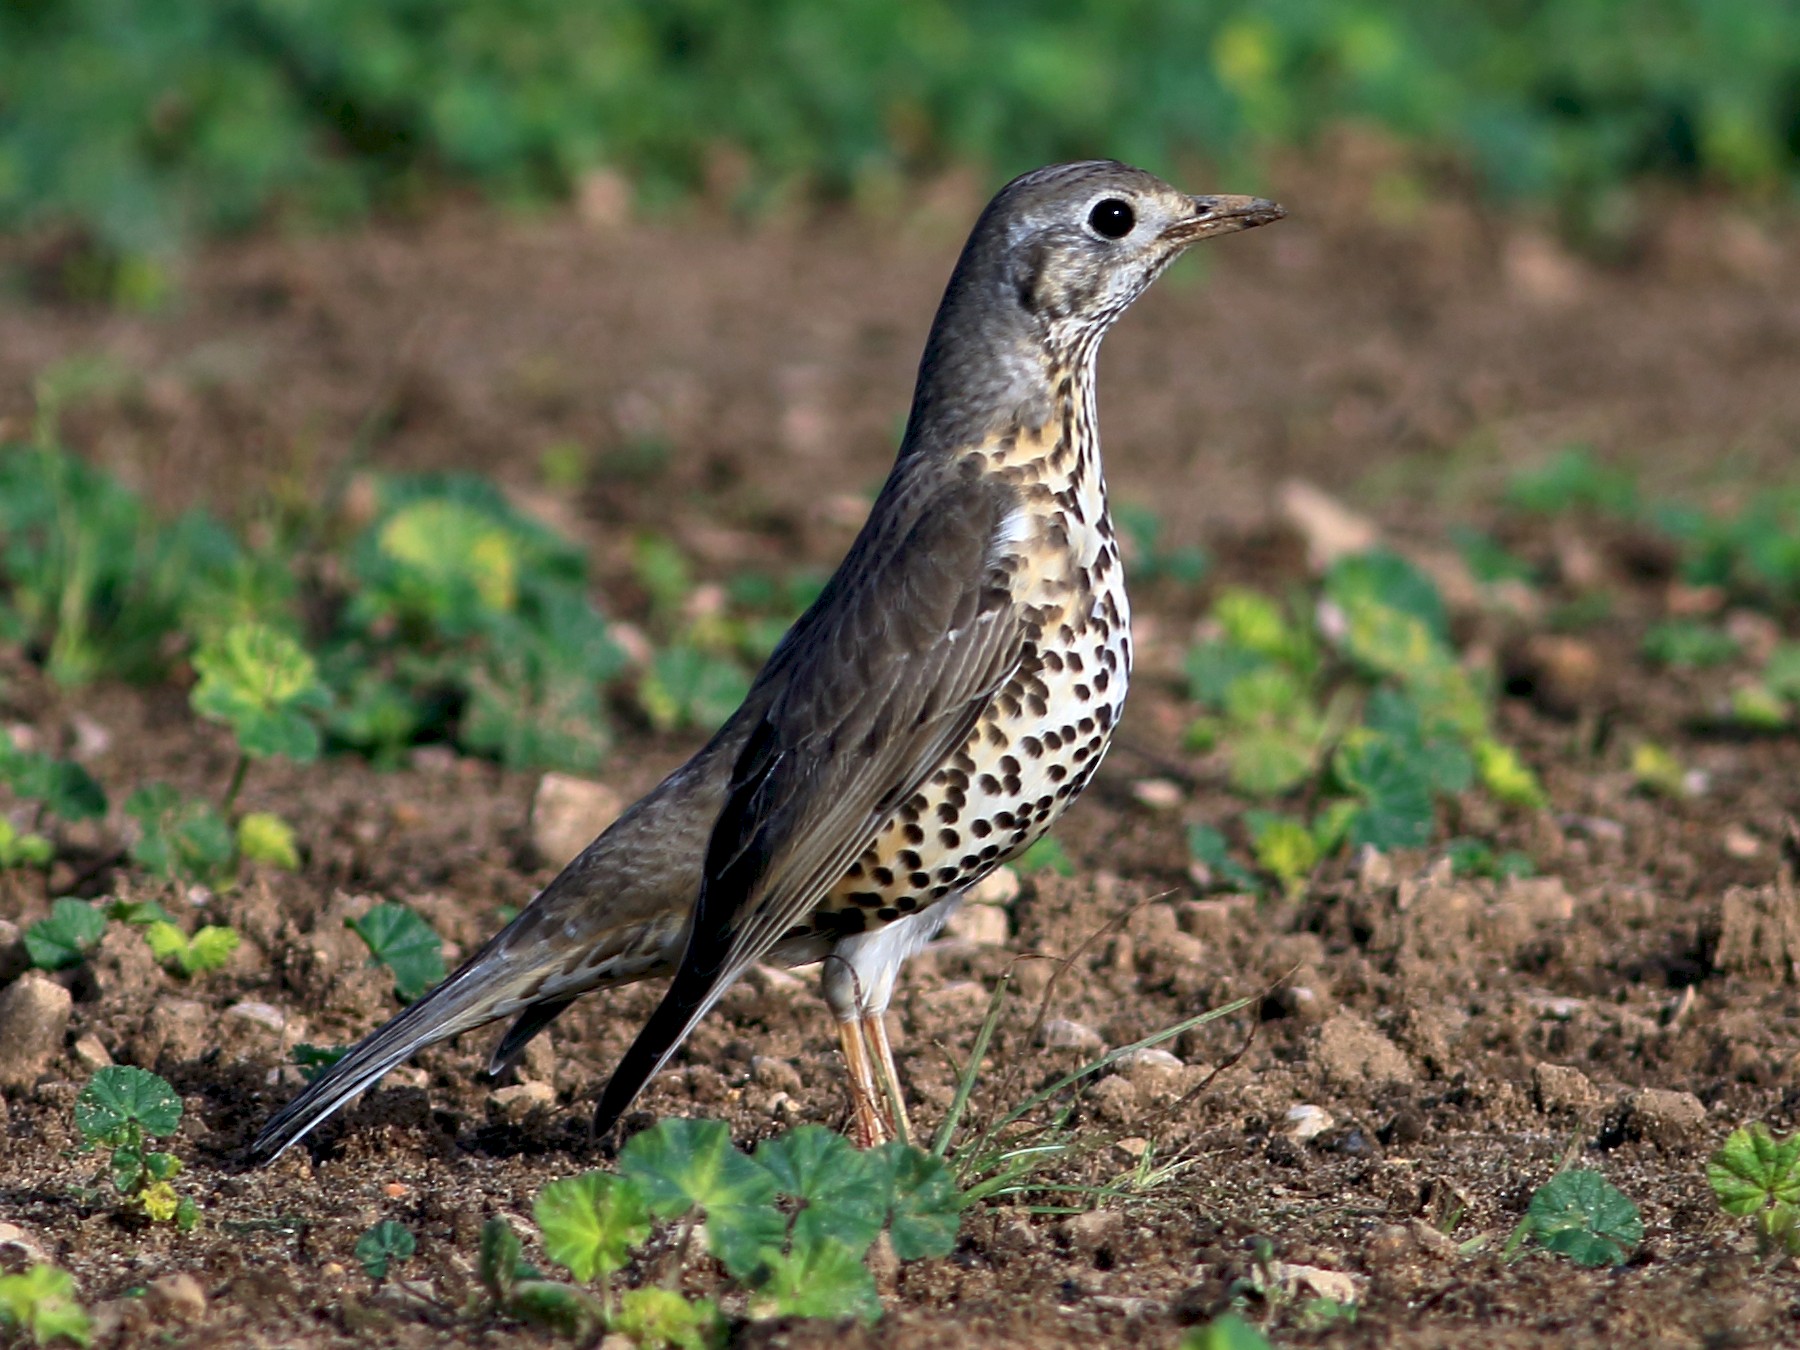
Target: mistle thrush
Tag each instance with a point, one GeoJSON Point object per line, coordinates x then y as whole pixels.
{"type": "Point", "coordinates": [948, 695]}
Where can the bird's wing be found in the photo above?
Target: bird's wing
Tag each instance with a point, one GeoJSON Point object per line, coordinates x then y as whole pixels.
{"type": "Point", "coordinates": [875, 687]}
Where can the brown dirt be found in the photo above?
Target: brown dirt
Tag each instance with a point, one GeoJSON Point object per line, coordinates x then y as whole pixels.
{"type": "Point", "coordinates": [1462, 1036]}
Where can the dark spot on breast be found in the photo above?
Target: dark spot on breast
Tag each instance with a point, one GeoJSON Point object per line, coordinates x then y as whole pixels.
{"type": "Point", "coordinates": [981, 829]}
{"type": "Point", "coordinates": [1032, 746]}
{"type": "Point", "coordinates": [1105, 713]}
{"type": "Point", "coordinates": [1056, 773]}
{"type": "Point", "coordinates": [919, 880]}
{"type": "Point", "coordinates": [1075, 663]}
{"type": "Point", "coordinates": [1085, 726]}
{"type": "Point", "coordinates": [1008, 764]}
{"type": "Point", "coordinates": [1102, 680]}
{"type": "Point", "coordinates": [908, 859]}
{"type": "Point", "coordinates": [970, 862]}
{"type": "Point", "coordinates": [868, 899]}
{"type": "Point", "coordinates": [989, 853]}
{"type": "Point", "coordinates": [1013, 785]}
{"type": "Point", "coordinates": [883, 877]}
{"type": "Point", "coordinates": [1083, 693]}
{"type": "Point", "coordinates": [947, 813]}
{"type": "Point", "coordinates": [988, 784]}
{"type": "Point", "coordinates": [948, 874]}
{"type": "Point", "coordinates": [906, 904]}
{"type": "Point", "coordinates": [856, 870]}
{"type": "Point", "coordinates": [914, 834]}
{"type": "Point", "coordinates": [1004, 819]}
{"type": "Point", "coordinates": [1052, 741]}
{"type": "Point", "coordinates": [889, 914]}
{"type": "Point", "coordinates": [949, 838]}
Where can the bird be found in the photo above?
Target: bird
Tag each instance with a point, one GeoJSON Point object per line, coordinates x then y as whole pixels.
{"type": "Point", "coordinates": [931, 715]}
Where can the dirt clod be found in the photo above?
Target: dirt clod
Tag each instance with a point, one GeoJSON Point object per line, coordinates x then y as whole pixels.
{"type": "Point", "coordinates": [567, 813]}
{"type": "Point", "coordinates": [34, 1013]}
{"type": "Point", "coordinates": [1356, 1057]}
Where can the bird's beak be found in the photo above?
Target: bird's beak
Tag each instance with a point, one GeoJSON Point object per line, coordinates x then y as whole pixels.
{"type": "Point", "coordinates": [1222, 215]}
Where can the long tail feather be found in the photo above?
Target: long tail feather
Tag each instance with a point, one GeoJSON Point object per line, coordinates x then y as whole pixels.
{"type": "Point", "coordinates": [482, 991]}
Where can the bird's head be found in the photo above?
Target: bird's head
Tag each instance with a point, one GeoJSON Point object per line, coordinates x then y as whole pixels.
{"type": "Point", "coordinates": [1055, 258]}
{"type": "Point", "coordinates": [1076, 243]}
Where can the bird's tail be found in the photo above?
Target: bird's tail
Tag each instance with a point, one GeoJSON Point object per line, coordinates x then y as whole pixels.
{"type": "Point", "coordinates": [527, 979]}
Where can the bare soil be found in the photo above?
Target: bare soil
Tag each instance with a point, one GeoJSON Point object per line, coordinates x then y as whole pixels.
{"type": "Point", "coordinates": [1462, 1036]}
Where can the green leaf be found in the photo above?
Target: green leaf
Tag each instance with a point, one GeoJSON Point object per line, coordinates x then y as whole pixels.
{"type": "Point", "coordinates": [265, 686]}
{"type": "Point", "coordinates": [817, 1279]}
{"type": "Point", "coordinates": [73, 929]}
{"type": "Point", "coordinates": [41, 1302]}
{"type": "Point", "coordinates": [925, 1211]}
{"type": "Point", "coordinates": [1657, 770]}
{"type": "Point", "coordinates": [1393, 781]}
{"type": "Point", "coordinates": [19, 848]}
{"type": "Point", "coordinates": [1506, 776]}
{"type": "Point", "coordinates": [1208, 847]}
{"type": "Point", "coordinates": [661, 1319]}
{"type": "Point", "coordinates": [63, 786]}
{"type": "Point", "coordinates": [1753, 1169]}
{"type": "Point", "coordinates": [1285, 848]}
{"type": "Point", "coordinates": [263, 836]}
{"type": "Point", "coordinates": [1581, 1215]}
{"type": "Point", "coordinates": [688, 687]}
{"type": "Point", "coordinates": [402, 941]}
{"type": "Point", "coordinates": [1214, 666]}
{"type": "Point", "coordinates": [684, 1164]}
{"type": "Point", "coordinates": [1385, 580]}
{"type": "Point", "coordinates": [1046, 855]}
{"type": "Point", "coordinates": [1687, 644]}
{"type": "Point", "coordinates": [558, 1307]}
{"type": "Point", "coordinates": [315, 1059]}
{"type": "Point", "coordinates": [121, 1096]}
{"type": "Point", "coordinates": [386, 1244]}
{"type": "Point", "coordinates": [843, 1190]}
{"type": "Point", "coordinates": [210, 949]}
{"type": "Point", "coordinates": [184, 839]}
{"type": "Point", "coordinates": [501, 1253]}
{"type": "Point", "coordinates": [138, 912]}
{"type": "Point", "coordinates": [1228, 1331]}
{"type": "Point", "coordinates": [591, 1222]}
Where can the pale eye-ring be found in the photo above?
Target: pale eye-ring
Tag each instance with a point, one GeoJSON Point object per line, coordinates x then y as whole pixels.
{"type": "Point", "coordinates": [1112, 218]}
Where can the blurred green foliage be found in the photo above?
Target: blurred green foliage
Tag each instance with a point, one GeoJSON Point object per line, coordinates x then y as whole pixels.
{"type": "Point", "coordinates": [143, 122]}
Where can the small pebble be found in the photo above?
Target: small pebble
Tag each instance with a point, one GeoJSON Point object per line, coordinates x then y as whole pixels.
{"type": "Point", "coordinates": [1307, 1121]}
{"type": "Point", "coordinates": [1059, 1033]}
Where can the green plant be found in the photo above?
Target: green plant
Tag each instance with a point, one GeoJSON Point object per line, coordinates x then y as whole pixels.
{"type": "Point", "coordinates": [262, 683]}
{"type": "Point", "coordinates": [1685, 644]}
{"type": "Point", "coordinates": [1227, 1331]}
{"type": "Point", "coordinates": [120, 1110]}
{"type": "Point", "coordinates": [790, 1225]}
{"type": "Point", "coordinates": [1757, 1176]}
{"type": "Point", "coordinates": [382, 1247]}
{"type": "Point", "coordinates": [1573, 479]}
{"type": "Point", "coordinates": [1209, 849]}
{"type": "Point", "coordinates": [1046, 855]}
{"type": "Point", "coordinates": [1372, 715]}
{"type": "Point", "coordinates": [181, 838]}
{"type": "Point", "coordinates": [208, 949]}
{"type": "Point", "coordinates": [401, 940]}
{"type": "Point", "coordinates": [1151, 560]}
{"type": "Point", "coordinates": [65, 938]}
{"type": "Point", "coordinates": [312, 1060]}
{"type": "Point", "coordinates": [21, 848]}
{"type": "Point", "coordinates": [1580, 1215]}
{"type": "Point", "coordinates": [41, 1302]}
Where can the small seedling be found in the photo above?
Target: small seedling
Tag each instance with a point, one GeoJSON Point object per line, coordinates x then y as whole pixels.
{"type": "Point", "coordinates": [1209, 850]}
{"type": "Point", "coordinates": [382, 1247]}
{"type": "Point", "coordinates": [120, 1110]}
{"type": "Point", "coordinates": [1573, 480]}
{"type": "Point", "coordinates": [1228, 1331]}
{"type": "Point", "coordinates": [1655, 769]}
{"type": "Point", "coordinates": [22, 848]}
{"type": "Point", "coordinates": [264, 837]}
{"type": "Point", "coordinates": [1757, 1176]}
{"type": "Point", "coordinates": [401, 940]}
{"type": "Point", "coordinates": [790, 1225]}
{"type": "Point", "coordinates": [263, 684]}
{"type": "Point", "coordinates": [313, 1060]}
{"type": "Point", "coordinates": [182, 838]}
{"type": "Point", "coordinates": [208, 949]}
{"type": "Point", "coordinates": [41, 1303]}
{"type": "Point", "coordinates": [60, 786]}
{"type": "Point", "coordinates": [1477, 858]}
{"type": "Point", "coordinates": [73, 929]}
{"type": "Point", "coordinates": [1582, 1216]}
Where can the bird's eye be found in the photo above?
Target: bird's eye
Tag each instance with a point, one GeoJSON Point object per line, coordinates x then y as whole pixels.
{"type": "Point", "coordinates": [1112, 218]}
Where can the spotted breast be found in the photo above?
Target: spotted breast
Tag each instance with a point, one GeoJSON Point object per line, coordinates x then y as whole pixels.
{"type": "Point", "coordinates": [1042, 737]}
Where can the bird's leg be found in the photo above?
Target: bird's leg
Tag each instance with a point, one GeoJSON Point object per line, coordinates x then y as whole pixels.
{"type": "Point", "coordinates": [874, 1026]}
{"type": "Point", "coordinates": [867, 1125]}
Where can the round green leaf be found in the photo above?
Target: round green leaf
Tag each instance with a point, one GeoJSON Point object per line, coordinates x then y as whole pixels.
{"type": "Point", "coordinates": [121, 1095]}
{"type": "Point", "coordinates": [591, 1222]}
